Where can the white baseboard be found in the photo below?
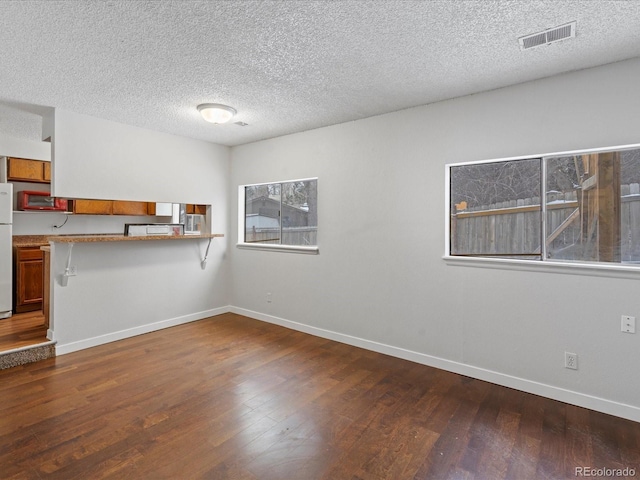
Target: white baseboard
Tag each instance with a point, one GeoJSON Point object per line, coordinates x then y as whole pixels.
{"type": "Point", "coordinates": [598, 404]}
{"type": "Point", "coordinates": [132, 332]}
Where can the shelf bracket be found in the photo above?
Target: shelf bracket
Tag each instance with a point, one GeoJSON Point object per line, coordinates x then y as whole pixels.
{"type": "Point", "coordinates": [68, 271]}
{"type": "Point", "coordinates": [203, 263]}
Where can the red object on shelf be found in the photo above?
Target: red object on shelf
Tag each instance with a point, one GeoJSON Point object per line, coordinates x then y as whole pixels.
{"type": "Point", "coordinates": [32, 200]}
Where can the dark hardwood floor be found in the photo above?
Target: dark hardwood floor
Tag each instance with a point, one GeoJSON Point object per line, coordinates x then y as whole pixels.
{"type": "Point", "coordinates": [22, 330]}
{"type": "Point", "coordinates": [234, 398]}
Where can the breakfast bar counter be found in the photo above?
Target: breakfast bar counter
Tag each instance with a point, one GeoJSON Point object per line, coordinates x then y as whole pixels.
{"type": "Point", "coordinates": [112, 237]}
{"type": "Point", "coordinates": [40, 240]}
{"type": "Point", "coordinates": [109, 286]}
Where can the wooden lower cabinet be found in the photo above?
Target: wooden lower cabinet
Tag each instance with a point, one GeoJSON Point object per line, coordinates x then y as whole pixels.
{"type": "Point", "coordinates": [28, 279]}
{"type": "Point", "coordinates": [46, 284]}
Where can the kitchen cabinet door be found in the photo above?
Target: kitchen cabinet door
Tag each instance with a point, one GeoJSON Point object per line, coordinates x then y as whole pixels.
{"type": "Point", "coordinates": [46, 285]}
{"type": "Point", "coordinates": [109, 207]}
{"type": "Point", "coordinates": [46, 171]}
{"type": "Point", "coordinates": [121, 207]}
{"type": "Point", "coordinates": [28, 279]}
{"type": "Point", "coordinates": [199, 209]}
{"type": "Point", "coordinates": [92, 207]}
{"type": "Point", "coordinates": [25, 170]}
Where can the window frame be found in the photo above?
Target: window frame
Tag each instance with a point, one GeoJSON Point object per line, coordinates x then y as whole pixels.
{"type": "Point", "coordinates": [304, 249]}
{"type": "Point", "coordinates": [575, 267]}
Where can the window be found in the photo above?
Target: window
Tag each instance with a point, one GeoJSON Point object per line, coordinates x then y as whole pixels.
{"type": "Point", "coordinates": [280, 215]}
{"type": "Point", "coordinates": [591, 211]}
{"type": "Point", "coordinates": [495, 209]}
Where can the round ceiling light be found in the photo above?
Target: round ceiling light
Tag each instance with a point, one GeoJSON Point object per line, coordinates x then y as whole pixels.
{"type": "Point", "coordinates": [216, 113]}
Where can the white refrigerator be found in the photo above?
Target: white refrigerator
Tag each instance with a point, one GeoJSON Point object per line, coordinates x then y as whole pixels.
{"type": "Point", "coordinates": [6, 269]}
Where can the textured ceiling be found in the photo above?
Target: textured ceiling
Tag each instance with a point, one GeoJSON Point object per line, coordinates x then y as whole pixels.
{"type": "Point", "coordinates": [286, 66]}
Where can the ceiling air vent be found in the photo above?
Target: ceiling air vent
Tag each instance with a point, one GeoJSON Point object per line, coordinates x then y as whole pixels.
{"type": "Point", "coordinates": [547, 37]}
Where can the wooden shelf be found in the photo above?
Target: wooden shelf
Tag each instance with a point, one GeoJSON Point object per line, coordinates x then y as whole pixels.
{"type": "Point", "coordinates": [49, 212]}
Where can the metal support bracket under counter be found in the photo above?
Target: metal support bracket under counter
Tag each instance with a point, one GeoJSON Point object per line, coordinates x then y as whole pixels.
{"type": "Point", "coordinates": [71, 240]}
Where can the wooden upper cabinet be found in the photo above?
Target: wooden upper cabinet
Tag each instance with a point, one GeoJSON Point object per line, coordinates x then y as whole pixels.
{"type": "Point", "coordinates": [110, 207]}
{"type": "Point", "coordinates": [92, 207]}
{"type": "Point", "coordinates": [191, 208]}
{"type": "Point", "coordinates": [47, 172]}
{"type": "Point", "coordinates": [25, 170]}
{"type": "Point", "coordinates": [121, 207]}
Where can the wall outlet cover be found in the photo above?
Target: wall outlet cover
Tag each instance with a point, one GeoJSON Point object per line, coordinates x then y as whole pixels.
{"type": "Point", "coordinates": [628, 324]}
{"type": "Point", "coordinates": [571, 360]}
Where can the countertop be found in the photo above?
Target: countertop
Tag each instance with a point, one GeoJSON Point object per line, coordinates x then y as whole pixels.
{"type": "Point", "coordinates": [30, 240]}
{"type": "Point", "coordinates": [41, 240]}
{"type": "Point", "coordinates": [124, 238]}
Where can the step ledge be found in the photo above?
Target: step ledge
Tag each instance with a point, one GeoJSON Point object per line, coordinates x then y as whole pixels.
{"type": "Point", "coordinates": [28, 347]}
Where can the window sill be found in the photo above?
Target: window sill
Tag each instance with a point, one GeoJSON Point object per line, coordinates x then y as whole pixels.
{"type": "Point", "coordinates": [280, 248]}
{"type": "Point", "coordinates": [549, 266]}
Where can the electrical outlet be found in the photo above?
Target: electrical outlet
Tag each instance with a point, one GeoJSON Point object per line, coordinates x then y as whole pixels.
{"type": "Point", "coordinates": [571, 360]}
{"type": "Point", "coordinates": [628, 324]}
{"type": "Point", "coordinates": [71, 272]}
{"type": "Point", "coordinates": [269, 297]}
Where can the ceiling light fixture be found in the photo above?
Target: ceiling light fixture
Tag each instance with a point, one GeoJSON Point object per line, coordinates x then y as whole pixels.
{"type": "Point", "coordinates": [216, 113]}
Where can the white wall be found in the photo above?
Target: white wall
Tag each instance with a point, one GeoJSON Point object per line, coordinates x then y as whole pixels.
{"type": "Point", "coordinates": [21, 148]}
{"type": "Point", "coordinates": [96, 158]}
{"type": "Point", "coordinates": [380, 280]}
{"type": "Point", "coordinates": [127, 288]}
{"type": "Point", "coordinates": [42, 223]}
